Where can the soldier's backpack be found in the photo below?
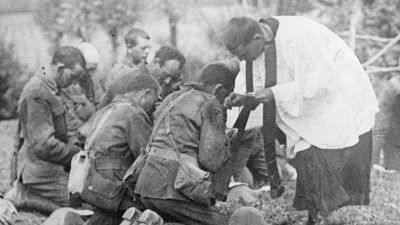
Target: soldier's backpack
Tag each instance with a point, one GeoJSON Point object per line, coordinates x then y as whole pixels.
{"type": "Point", "coordinates": [86, 181]}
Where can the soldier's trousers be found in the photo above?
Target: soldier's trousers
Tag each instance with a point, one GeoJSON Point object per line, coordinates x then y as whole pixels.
{"type": "Point", "coordinates": [251, 154]}
{"type": "Point", "coordinates": [55, 191]}
{"type": "Point", "coordinates": [185, 212]}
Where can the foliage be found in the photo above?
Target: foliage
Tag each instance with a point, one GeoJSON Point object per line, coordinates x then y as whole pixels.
{"type": "Point", "coordinates": [382, 18]}
{"type": "Point", "coordinates": [384, 206]}
{"type": "Point", "coordinates": [173, 11]}
{"type": "Point", "coordinates": [291, 7]}
{"type": "Point", "coordinates": [10, 85]}
{"type": "Point", "coordinates": [80, 18]}
{"type": "Point", "coordinates": [116, 15]}
{"type": "Point", "coordinates": [68, 17]}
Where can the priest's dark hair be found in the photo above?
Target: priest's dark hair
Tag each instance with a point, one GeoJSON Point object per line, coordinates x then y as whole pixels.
{"type": "Point", "coordinates": [240, 30]}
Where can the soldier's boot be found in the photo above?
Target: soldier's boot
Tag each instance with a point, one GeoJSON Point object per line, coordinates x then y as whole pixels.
{"type": "Point", "coordinates": [22, 198]}
{"type": "Point", "coordinates": [246, 215]}
{"type": "Point", "coordinates": [64, 216]}
{"type": "Point", "coordinates": [150, 217]}
{"type": "Point", "coordinates": [131, 216]}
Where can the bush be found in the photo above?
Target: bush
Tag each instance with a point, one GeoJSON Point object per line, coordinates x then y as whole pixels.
{"type": "Point", "coordinates": [10, 84]}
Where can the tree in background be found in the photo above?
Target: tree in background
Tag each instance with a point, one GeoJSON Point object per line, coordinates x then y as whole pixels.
{"type": "Point", "coordinates": [372, 29]}
{"type": "Point", "coordinates": [382, 20]}
{"type": "Point", "coordinates": [213, 24]}
{"type": "Point", "coordinates": [370, 26]}
{"type": "Point", "coordinates": [173, 11]}
{"type": "Point", "coordinates": [114, 16]}
{"type": "Point", "coordinates": [81, 18]}
{"type": "Point", "coordinates": [10, 83]}
{"type": "Point", "coordinates": [52, 22]}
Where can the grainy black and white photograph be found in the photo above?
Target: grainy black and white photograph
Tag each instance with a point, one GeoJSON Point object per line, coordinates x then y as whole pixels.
{"type": "Point", "coordinates": [199, 112]}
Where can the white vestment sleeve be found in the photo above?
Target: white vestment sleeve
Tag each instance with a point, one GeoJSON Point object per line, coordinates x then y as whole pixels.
{"type": "Point", "coordinates": [312, 85]}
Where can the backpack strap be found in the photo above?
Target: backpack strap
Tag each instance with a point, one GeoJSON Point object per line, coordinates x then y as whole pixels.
{"type": "Point", "coordinates": [163, 115]}
{"type": "Point", "coordinates": [102, 120]}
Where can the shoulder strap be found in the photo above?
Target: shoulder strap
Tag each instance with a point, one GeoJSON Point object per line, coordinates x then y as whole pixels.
{"type": "Point", "coordinates": [103, 119]}
{"type": "Point", "coordinates": [162, 115]}
{"type": "Point", "coordinates": [168, 124]}
{"type": "Point", "coordinates": [67, 96]}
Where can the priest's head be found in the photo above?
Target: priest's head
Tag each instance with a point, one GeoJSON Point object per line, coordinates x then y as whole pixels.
{"type": "Point", "coordinates": [245, 38]}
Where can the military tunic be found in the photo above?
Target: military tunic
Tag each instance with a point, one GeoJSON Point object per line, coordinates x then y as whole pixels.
{"type": "Point", "coordinates": [47, 148]}
{"type": "Point", "coordinates": [122, 137]}
{"type": "Point", "coordinates": [198, 129]}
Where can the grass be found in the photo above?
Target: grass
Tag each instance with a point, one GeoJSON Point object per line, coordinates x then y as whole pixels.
{"type": "Point", "coordinates": [384, 208]}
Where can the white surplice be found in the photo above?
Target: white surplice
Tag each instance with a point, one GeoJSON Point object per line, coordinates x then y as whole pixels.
{"type": "Point", "coordinates": [323, 96]}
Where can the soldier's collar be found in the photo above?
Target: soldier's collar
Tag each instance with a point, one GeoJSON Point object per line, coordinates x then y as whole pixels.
{"type": "Point", "coordinates": [50, 83]}
{"type": "Point", "coordinates": [192, 85]}
{"type": "Point", "coordinates": [122, 99]}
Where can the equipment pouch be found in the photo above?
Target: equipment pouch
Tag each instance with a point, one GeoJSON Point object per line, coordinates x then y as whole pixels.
{"type": "Point", "coordinates": [194, 182]}
{"type": "Point", "coordinates": [101, 192]}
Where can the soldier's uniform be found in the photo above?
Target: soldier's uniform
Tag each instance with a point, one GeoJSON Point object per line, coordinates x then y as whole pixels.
{"type": "Point", "coordinates": [47, 149]}
{"type": "Point", "coordinates": [79, 108]}
{"type": "Point", "coordinates": [198, 129]}
{"type": "Point", "coordinates": [124, 134]}
{"type": "Point", "coordinates": [251, 154]}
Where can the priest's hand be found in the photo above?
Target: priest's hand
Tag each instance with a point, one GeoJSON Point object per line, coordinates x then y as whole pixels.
{"type": "Point", "coordinates": [264, 95]}
{"type": "Point", "coordinates": [234, 100]}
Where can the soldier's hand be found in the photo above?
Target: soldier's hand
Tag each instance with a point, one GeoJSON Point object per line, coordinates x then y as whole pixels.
{"type": "Point", "coordinates": [231, 132]}
{"type": "Point", "coordinates": [234, 100]}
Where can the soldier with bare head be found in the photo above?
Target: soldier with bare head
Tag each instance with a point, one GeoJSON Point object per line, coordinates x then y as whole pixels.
{"type": "Point", "coordinates": [47, 150]}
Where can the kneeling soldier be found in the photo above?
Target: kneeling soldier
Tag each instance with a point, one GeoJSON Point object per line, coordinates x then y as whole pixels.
{"type": "Point", "coordinates": [191, 133]}
{"type": "Point", "coordinates": [122, 135]}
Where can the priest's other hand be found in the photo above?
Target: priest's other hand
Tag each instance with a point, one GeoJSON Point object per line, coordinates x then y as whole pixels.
{"type": "Point", "coordinates": [264, 95]}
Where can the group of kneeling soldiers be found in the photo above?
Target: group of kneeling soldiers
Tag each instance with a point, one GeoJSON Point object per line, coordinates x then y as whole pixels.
{"type": "Point", "coordinates": [172, 160]}
{"type": "Point", "coordinates": [120, 115]}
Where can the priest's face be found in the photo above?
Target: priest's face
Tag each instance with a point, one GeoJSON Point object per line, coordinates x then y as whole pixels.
{"type": "Point", "coordinates": [249, 51]}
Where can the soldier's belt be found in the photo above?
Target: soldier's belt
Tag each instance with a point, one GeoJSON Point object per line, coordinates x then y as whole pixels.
{"type": "Point", "coordinates": [108, 162]}
{"type": "Point", "coordinates": [170, 154]}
